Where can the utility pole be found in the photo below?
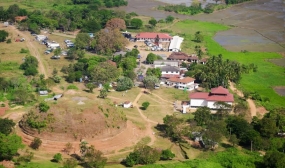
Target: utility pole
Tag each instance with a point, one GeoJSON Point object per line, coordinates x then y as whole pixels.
{"type": "Point", "coordinates": [230, 131]}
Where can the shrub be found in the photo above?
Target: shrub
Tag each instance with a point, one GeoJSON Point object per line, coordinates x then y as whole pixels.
{"type": "Point", "coordinates": [145, 105]}
{"type": "Point", "coordinates": [9, 41]}
{"type": "Point", "coordinates": [24, 50]}
{"type": "Point", "coordinates": [57, 157]}
{"type": "Point", "coordinates": [72, 87]}
{"type": "Point", "coordinates": [37, 142]}
{"type": "Point", "coordinates": [167, 154]}
{"type": "Point", "coordinates": [43, 107]}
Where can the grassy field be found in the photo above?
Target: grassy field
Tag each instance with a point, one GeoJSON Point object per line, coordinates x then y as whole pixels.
{"type": "Point", "coordinates": [263, 81]}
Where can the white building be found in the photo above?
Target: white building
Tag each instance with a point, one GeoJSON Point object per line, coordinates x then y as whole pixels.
{"type": "Point", "coordinates": [200, 99]}
{"type": "Point", "coordinates": [175, 44]}
{"type": "Point", "coordinates": [161, 63]}
{"type": "Point", "coordinates": [186, 83]}
{"type": "Point", "coordinates": [169, 72]}
{"type": "Point", "coordinates": [40, 37]}
{"type": "Point", "coordinates": [53, 45]}
{"type": "Point", "coordinates": [127, 104]}
{"type": "Point", "coordinates": [163, 37]}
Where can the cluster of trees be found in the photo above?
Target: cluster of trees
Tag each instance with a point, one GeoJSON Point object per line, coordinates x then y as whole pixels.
{"type": "Point", "coordinates": [89, 18]}
{"type": "Point", "coordinates": [17, 90]}
{"type": "Point", "coordinates": [9, 142]}
{"type": "Point", "coordinates": [147, 155]}
{"type": "Point", "coordinates": [99, 3]}
{"type": "Point", "coordinates": [151, 57]}
{"type": "Point", "coordinates": [11, 12]}
{"type": "Point", "coordinates": [260, 134]}
{"type": "Point", "coordinates": [194, 9]}
{"type": "Point", "coordinates": [30, 66]}
{"type": "Point", "coordinates": [235, 1]}
{"type": "Point", "coordinates": [217, 72]}
{"type": "Point", "coordinates": [3, 35]}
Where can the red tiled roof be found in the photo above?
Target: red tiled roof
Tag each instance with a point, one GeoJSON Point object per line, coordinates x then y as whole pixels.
{"type": "Point", "coordinates": [199, 95]}
{"type": "Point", "coordinates": [219, 90]}
{"type": "Point", "coordinates": [204, 60]}
{"type": "Point", "coordinates": [187, 80]}
{"type": "Point", "coordinates": [153, 35]}
{"type": "Point", "coordinates": [193, 58]}
{"type": "Point", "coordinates": [226, 98]}
{"type": "Point", "coordinates": [127, 102]}
{"type": "Point", "coordinates": [173, 79]}
{"type": "Point", "coordinates": [178, 56]}
{"type": "Point", "coordinates": [170, 75]}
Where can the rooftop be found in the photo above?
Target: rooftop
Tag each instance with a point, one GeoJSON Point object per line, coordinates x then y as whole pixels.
{"type": "Point", "coordinates": [169, 68]}
{"type": "Point", "coordinates": [153, 35]}
{"type": "Point", "coordinates": [178, 56]}
{"type": "Point", "coordinates": [219, 90]}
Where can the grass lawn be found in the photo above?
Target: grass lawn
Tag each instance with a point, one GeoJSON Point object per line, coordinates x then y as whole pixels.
{"type": "Point", "coordinates": [43, 164]}
{"type": "Point", "coordinates": [263, 81]}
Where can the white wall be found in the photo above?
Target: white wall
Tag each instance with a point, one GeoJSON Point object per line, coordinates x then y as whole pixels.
{"type": "Point", "coordinates": [170, 72]}
{"type": "Point", "coordinates": [210, 104]}
{"type": "Point", "coordinates": [198, 102]}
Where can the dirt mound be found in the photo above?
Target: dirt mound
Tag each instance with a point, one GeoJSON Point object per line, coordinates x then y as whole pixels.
{"type": "Point", "coordinates": [70, 123]}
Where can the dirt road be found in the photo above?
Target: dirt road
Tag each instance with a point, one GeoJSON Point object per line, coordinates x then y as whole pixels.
{"type": "Point", "coordinates": [250, 102]}
{"type": "Point", "coordinates": [33, 49]}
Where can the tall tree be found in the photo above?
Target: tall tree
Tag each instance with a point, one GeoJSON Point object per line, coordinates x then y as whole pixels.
{"type": "Point", "coordinates": [82, 40]}
{"type": "Point", "coordinates": [6, 126]}
{"type": "Point", "coordinates": [104, 72]}
{"type": "Point", "coordinates": [9, 145]}
{"type": "Point", "coordinates": [202, 115]}
{"type": "Point", "coordinates": [136, 23]}
{"type": "Point", "coordinates": [150, 82]}
{"type": "Point", "coordinates": [152, 22]}
{"type": "Point", "coordinates": [116, 23]}
{"type": "Point", "coordinates": [198, 37]}
{"type": "Point", "coordinates": [109, 41]}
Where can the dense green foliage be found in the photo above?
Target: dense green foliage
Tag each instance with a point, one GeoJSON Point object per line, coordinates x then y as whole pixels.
{"type": "Point", "coordinates": [202, 115]}
{"type": "Point", "coordinates": [217, 72]}
{"type": "Point", "coordinates": [153, 72]}
{"type": "Point", "coordinates": [235, 1]}
{"type": "Point", "coordinates": [183, 9]}
{"type": "Point", "coordinates": [152, 57]}
{"type": "Point", "coordinates": [9, 145]}
{"type": "Point", "coordinates": [145, 105]}
{"type": "Point", "coordinates": [43, 107]}
{"type": "Point", "coordinates": [142, 155]}
{"type": "Point", "coordinates": [57, 157]}
{"type": "Point", "coordinates": [3, 35]}
{"type": "Point", "coordinates": [6, 126]}
{"type": "Point", "coordinates": [124, 83]}
{"type": "Point", "coordinates": [150, 82]}
{"type": "Point", "coordinates": [30, 66]}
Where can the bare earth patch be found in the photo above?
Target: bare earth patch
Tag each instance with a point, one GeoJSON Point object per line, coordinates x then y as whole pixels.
{"type": "Point", "coordinates": [280, 90]}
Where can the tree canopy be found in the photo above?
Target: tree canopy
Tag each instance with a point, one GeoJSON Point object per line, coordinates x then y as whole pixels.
{"type": "Point", "coordinates": [3, 35]}
{"type": "Point", "coordinates": [124, 83]}
{"type": "Point", "coordinates": [116, 23]}
{"type": "Point", "coordinates": [6, 126]}
{"type": "Point", "coordinates": [104, 72]}
{"type": "Point", "coordinates": [109, 40]}
{"type": "Point", "coordinates": [9, 145]}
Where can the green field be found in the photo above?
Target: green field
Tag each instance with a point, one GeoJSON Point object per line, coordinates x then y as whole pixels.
{"type": "Point", "coordinates": [262, 81]}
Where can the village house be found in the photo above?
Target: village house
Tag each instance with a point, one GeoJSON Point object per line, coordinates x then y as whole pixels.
{"type": "Point", "coordinates": [170, 72]}
{"type": "Point", "coordinates": [163, 37]}
{"type": "Point", "coordinates": [161, 63]}
{"type": "Point", "coordinates": [178, 56]}
{"type": "Point", "coordinates": [127, 104]}
{"type": "Point", "coordinates": [218, 94]}
{"type": "Point", "coordinates": [186, 83]}
{"type": "Point", "coordinates": [183, 57]}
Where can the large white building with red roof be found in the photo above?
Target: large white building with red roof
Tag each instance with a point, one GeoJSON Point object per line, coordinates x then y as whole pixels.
{"type": "Point", "coordinates": [163, 37]}
{"type": "Point", "coordinates": [218, 94]}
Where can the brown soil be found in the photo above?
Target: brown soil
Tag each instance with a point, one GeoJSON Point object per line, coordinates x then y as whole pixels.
{"type": "Point", "coordinates": [68, 122]}
{"type": "Point", "coordinates": [250, 102]}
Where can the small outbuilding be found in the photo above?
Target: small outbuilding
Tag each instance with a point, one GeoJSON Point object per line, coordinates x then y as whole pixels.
{"type": "Point", "coordinates": [175, 44]}
{"type": "Point", "coordinates": [127, 104]}
{"type": "Point", "coordinates": [43, 93]}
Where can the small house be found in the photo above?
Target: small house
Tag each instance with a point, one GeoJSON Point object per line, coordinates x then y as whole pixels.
{"type": "Point", "coordinates": [169, 72]}
{"type": "Point", "coordinates": [161, 63]}
{"type": "Point", "coordinates": [175, 44]}
{"type": "Point", "coordinates": [6, 24]}
{"type": "Point", "coordinates": [127, 104]}
{"type": "Point", "coordinates": [40, 37]}
{"type": "Point", "coordinates": [43, 93]}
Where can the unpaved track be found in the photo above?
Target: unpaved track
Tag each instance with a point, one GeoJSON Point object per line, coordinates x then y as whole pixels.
{"type": "Point", "coordinates": [33, 49]}
{"type": "Point", "coordinates": [250, 102]}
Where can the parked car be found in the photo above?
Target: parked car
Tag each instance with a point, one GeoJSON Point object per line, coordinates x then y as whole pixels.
{"type": "Point", "coordinates": [64, 53]}
{"type": "Point", "coordinates": [67, 41]}
{"type": "Point", "coordinates": [55, 57]}
{"type": "Point", "coordinates": [47, 52]}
